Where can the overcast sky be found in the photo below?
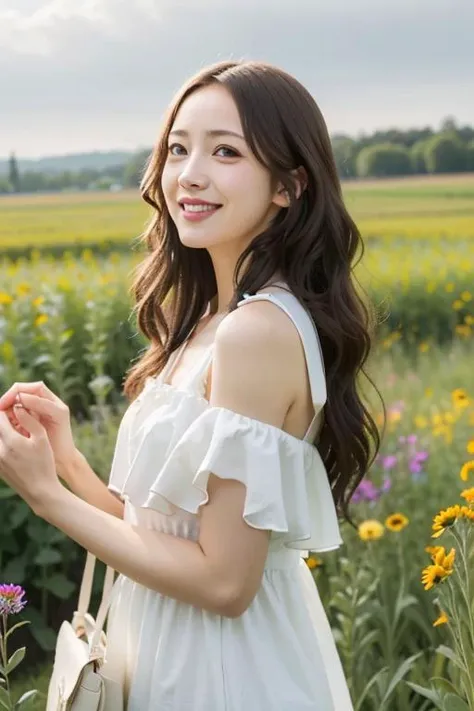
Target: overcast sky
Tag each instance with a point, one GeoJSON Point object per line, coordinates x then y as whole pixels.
{"type": "Point", "coordinates": [80, 75]}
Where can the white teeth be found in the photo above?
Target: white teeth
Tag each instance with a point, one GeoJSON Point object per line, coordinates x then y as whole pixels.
{"type": "Point", "coordinates": [198, 208]}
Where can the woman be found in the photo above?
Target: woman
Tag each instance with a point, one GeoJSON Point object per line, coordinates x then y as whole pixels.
{"type": "Point", "coordinates": [257, 336]}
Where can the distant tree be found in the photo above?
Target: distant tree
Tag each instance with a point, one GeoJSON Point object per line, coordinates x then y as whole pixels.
{"type": "Point", "coordinates": [417, 157]}
{"type": "Point", "coordinates": [33, 182]}
{"type": "Point", "coordinates": [445, 153]}
{"type": "Point", "coordinates": [5, 186]}
{"type": "Point", "coordinates": [383, 160]}
{"type": "Point", "coordinates": [14, 174]}
{"type": "Point", "coordinates": [135, 168]}
{"type": "Point", "coordinates": [345, 152]}
{"type": "Point", "coordinates": [470, 156]}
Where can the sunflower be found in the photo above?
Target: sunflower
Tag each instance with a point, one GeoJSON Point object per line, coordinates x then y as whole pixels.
{"type": "Point", "coordinates": [396, 522]}
{"type": "Point", "coordinates": [434, 574]}
{"type": "Point", "coordinates": [468, 494]}
{"type": "Point", "coordinates": [442, 619]}
{"type": "Point", "coordinates": [371, 530]}
{"type": "Point", "coordinates": [470, 446]}
{"type": "Point", "coordinates": [445, 519]}
{"type": "Point", "coordinates": [466, 469]}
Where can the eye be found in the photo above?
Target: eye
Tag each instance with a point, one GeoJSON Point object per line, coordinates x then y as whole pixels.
{"type": "Point", "coordinates": [228, 152]}
{"type": "Point", "coordinates": [172, 149]}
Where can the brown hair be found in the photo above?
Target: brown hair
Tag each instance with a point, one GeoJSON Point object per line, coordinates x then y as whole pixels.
{"type": "Point", "coordinates": [312, 244]}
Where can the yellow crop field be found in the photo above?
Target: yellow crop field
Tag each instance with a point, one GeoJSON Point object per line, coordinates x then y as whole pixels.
{"type": "Point", "coordinates": [425, 208]}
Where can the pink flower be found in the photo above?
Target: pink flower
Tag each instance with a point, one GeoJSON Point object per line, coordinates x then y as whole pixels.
{"type": "Point", "coordinates": [11, 601]}
{"type": "Point", "coordinates": [389, 461]}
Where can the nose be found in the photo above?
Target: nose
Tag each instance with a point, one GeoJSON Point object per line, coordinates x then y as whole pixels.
{"type": "Point", "coordinates": [191, 177]}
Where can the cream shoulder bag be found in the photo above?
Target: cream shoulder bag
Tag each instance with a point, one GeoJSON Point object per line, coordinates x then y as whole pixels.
{"type": "Point", "coordinates": [78, 682]}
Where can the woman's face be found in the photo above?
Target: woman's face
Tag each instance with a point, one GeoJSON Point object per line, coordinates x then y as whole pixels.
{"type": "Point", "coordinates": [215, 189]}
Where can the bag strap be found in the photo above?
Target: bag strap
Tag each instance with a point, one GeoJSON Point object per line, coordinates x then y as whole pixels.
{"type": "Point", "coordinates": [85, 598]}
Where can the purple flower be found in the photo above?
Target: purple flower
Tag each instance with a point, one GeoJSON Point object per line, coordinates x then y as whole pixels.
{"type": "Point", "coordinates": [386, 485]}
{"type": "Point", "coordinates": [11, 601]}
{"type": "Point", "coordinates": [411, 439]}
{"type": "Point", "coordinates": [366, 491]}
{"type": "Point", "coordinates": [415, 463]}
{"type": "Point", "coordinates": [389, 461]}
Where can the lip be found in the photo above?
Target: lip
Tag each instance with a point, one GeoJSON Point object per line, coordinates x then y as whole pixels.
{"type": "Point", "coordinates": [197, 201]}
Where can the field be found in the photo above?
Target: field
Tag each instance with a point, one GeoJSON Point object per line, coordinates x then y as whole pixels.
{"type": "Point", "coordinates": [423, 208]}
{"type": "Point", "coordinates": [66, 320]}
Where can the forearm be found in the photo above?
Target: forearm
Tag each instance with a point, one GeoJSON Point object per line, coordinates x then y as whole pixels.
{"type": "Point", "coordinates": [173, 566]}
{"type": "Point", "coordinates": [86, 484]}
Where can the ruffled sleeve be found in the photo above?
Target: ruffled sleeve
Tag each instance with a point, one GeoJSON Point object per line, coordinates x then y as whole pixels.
{"type": "Point", "coordinates": [287, 489]}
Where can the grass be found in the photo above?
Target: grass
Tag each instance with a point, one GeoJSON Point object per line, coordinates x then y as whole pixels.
{"type": "Point", "coordinates": [424, 207]}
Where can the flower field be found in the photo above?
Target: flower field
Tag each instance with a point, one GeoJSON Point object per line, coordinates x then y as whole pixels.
{"type": "Point", "coordinates": [400, 592]}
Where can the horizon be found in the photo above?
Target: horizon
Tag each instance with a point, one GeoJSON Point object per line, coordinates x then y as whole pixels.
{"type": "Point", "coordinates": [91, 151]}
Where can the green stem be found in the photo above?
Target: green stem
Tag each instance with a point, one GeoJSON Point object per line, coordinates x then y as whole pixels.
{"type": "Point", "coordinates": [3, 651]}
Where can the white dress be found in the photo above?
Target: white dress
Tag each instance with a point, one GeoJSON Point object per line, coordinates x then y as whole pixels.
{"type": "Point", "coordinates": [279, 655]}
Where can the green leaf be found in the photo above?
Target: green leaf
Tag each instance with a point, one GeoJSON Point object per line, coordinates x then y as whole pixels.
{"type": "Point", "coordinates": [59, 586]}
{"type": "Point", "coordinates": [433, 696]}
{"type": "Point", "coordinates": [374, 680]}
{"type": "Point", "coordinates": [44, 635]}
{"type": "Point", "coordinates": [403, 669]}
{"type": "Point", "coordinates": [451, 655]}
{"type": "Point", "coordinates": [19, 515]}
{"type": "Point", "coordinates": [442, 684]}
{"type": "Point", "coordinates": [454, 703]}
{"type": "Point", "coordinates": [47, 556]}
{"type": "Point", "coordinates": [16, 658]}
{"type": "Point", "coordinates": [6, 492]}
{"type": "Point", "coordinates": [24, 700]}
{"type": "Point", "coordinates": [15, 570]}
{"type": "Point", "coordinates": [5, 699]}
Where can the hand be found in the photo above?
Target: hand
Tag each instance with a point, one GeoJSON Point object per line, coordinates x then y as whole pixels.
{"type": "Point", "coordinates": [27, 463]}
{"type": "Point", "coordinates": [51, 412]}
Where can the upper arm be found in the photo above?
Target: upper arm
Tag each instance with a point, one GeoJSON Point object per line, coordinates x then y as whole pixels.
{"type": "Point", "coordinates": [250, 376]}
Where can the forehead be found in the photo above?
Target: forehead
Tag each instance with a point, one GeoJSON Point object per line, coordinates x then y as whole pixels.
{"type": "Point", "coordinates": [207, 108]}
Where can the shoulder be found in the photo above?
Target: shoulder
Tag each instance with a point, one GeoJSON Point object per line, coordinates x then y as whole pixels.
{"type": "Point", "coordinates": [254, 345]}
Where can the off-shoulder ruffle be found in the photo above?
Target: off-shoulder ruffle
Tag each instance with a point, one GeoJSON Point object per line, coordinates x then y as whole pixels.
{"type": "Point", "coordinates": [287, 489]}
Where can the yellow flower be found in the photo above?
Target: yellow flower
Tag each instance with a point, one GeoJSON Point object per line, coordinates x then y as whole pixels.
{"type": "Point", "coordinates": [396, 522]}
{"type": "Point", "coordinates": [432, 575]}
{"type": "Point", "coordinates": [466, 296]}
{"type": "Point", "coordinates": [468, 494]}
{"type": "Point", "coordinates": [460, 398]}
{"type": "Point", "coordinates": [446, 561]}
{"type": "Point", "coordinates": [5, 298]}
{"type": "Point", "coordinates": [470, 446]}
{"type": "Point", "coordinates": [466, 469]}
{"type": "Point", "coordinates": [370, 530]}
{"type": "Point", "coordinates": [467, 513]}
{"type": "Point", "coordinates": [424, 347]}
{"type": "Point", "coordinates": [38, 301]}
{"type": "Point", "coordinates": [442, 619]}
{"type": "Point", "coordinates": [41, 319]}
{"type": "Point", "coordinates": [420, 422]}
{"type": "Point", "coordinates": [313, 562]}
{"type": "Point", "coordinates": [432, 550]}
{"type": "Point", "coordinates": [445, 519]}
{"type": "Point", "coordinates": [458, 304]}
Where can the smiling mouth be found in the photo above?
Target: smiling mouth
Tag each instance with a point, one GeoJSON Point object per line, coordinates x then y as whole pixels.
{"type": "Point", "coordinates": [205, 207]}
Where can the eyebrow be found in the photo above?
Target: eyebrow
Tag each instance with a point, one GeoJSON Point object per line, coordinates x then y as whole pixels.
{"type": "Point", "coordinates": [215, 133]}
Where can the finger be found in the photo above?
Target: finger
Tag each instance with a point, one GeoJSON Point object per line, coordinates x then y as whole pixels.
{"type": "Point", "coordinates": [29, 422]}
{"type": "Point", "coordinates": [38, 388]}
{"type": "Point", "coordinates": [37, 405]}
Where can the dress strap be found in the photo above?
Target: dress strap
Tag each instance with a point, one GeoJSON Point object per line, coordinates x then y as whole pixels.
{"type": "Point", "coordinates": [311, 344]}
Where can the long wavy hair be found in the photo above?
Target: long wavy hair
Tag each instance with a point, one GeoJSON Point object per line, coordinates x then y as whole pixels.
{"type": "Point", "coordinates": [313, 244]}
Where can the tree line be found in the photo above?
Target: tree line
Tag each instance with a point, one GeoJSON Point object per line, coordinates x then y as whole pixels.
{"type": "Point", "coordinates": [381, 154]}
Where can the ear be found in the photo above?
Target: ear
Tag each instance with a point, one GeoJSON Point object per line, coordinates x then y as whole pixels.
{"type": "Point", "coordinates": [300, 180]}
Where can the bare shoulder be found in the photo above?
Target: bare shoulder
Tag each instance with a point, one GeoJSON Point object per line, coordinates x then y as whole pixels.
{"type": "Point", "coordinates": [254, 346]}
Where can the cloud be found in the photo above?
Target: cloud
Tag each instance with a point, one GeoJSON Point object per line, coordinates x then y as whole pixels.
{"type": "Point", "coordinates": [49, 27]}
